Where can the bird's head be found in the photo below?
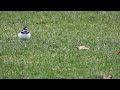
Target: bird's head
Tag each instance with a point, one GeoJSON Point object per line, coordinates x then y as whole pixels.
{"type": "Point", "coordinates": [25, 28]}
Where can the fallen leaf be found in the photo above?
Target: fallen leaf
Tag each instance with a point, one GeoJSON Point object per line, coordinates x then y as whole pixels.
{"type": "Point", "coordinates": [105, 76]}
{"type": "Point", "coordinates": [118, 52]}
{"type": "Point", "coordinates": [82, 47]}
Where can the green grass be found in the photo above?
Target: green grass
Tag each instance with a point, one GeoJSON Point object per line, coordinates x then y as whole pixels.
{"type": "Point", "coordinates": [51, 52]}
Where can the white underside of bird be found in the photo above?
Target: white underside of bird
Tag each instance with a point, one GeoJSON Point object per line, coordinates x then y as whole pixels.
{"type": "Point", "coordinates": [24, 36]}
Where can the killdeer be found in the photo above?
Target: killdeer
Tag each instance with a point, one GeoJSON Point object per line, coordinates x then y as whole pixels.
{"type": "Point", "coordinates": [24, 34]}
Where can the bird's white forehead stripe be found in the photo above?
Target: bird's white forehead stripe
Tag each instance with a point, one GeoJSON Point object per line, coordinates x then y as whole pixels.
{"type": "Point", "coordinates": [26, 28]}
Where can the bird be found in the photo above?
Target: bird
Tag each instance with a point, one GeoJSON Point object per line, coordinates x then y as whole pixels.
{"type": "Point", "coordinates": [24, 34]}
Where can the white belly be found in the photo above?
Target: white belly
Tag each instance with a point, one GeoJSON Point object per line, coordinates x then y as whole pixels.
{"type": "Point", "coordinates": [24, 36]}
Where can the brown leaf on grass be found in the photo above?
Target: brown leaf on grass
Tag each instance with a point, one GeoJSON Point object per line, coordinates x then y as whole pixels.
{"type": "Point", "coordinates": [83, 47]}
{"type": "Point", "coordinates": [105, 76]}
{"type": "Point", "coordinates": [118, 52]}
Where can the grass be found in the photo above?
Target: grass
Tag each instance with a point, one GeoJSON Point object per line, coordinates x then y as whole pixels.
{"type": "Point", "coordinates": [51, 51]}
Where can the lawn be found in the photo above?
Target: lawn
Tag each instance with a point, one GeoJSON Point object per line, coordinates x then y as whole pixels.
{"type": "Point", "coordinates": [52, 52]}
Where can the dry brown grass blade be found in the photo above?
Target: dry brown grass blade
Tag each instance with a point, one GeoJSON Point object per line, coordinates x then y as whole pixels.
{"type": "Point", "coordinates": [83, 47]}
